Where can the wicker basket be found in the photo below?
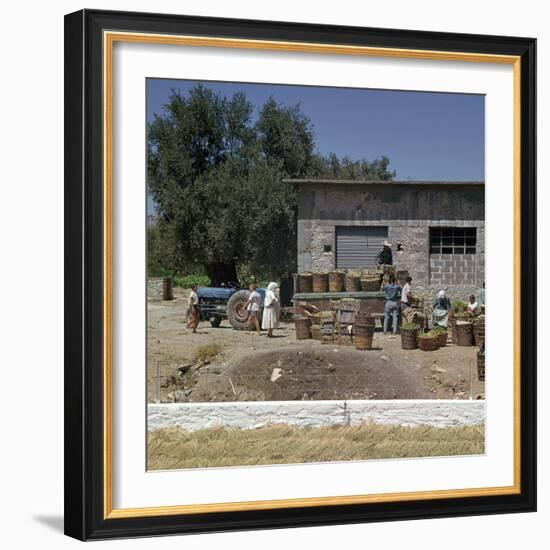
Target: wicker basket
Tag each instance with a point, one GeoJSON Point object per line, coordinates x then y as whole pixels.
{"type": "Point", "coordinates": [409, 338]}
{"type": "Point", "coordinates": [479, 331]}
{"type": "Point", "coordinates": [303, 328]}
{"type": "Point", "coordinates": [336, 281]}
{"type": "Point", "coordinates": [428, 343]}
{"type": "Point", "coordinates": [353, 283]}
{"type": "Point", "coordinates": [363, 342]}
{"type": "Point", "coordinates": [481, 366]}
{"type": "Point", "coordinates": [452, 326]}
{"type": "Point", "coordinates": [320, 282]}
{"type": "Point", "coordinates": [370, 284]}
{"type": "Point", "coordinates": [316, 332]}
{"type": "Point", "coordinates": [360, 328]}
{"type": "Point", "coordinates": [364, 319]}
{"type": "Point", "coordinates": [362, 336]}
{"type": "Point", "coordinates": [305, 282]}
{"type": "Point", "coordinates": [464, 333]}
{"type": "Point", "coordinates": [442, 339]}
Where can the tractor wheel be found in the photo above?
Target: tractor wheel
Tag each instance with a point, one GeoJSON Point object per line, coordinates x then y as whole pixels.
{"type": "Point", "coordinates": [215, 321]}
{"type": "Point", "coordinates": [237, 314]}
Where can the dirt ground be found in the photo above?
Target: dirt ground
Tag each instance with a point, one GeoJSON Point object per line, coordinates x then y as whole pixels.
{"type": "Point", "coordinates": [246, 367]}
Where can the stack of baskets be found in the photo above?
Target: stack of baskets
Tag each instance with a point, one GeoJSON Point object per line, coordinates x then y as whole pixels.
{"type": "Point", "coordinates": [338, 280]}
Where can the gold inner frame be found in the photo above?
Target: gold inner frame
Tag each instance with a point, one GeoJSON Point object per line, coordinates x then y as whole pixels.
{"type": "Point", "coordinates": [109, 39]}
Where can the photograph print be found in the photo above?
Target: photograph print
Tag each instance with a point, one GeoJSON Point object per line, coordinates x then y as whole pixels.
{"type": "Point", "coordinates": [315, 274]}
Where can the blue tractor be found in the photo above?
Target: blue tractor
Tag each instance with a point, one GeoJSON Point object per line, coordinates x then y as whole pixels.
{"type": "Point", "coordinates": [226, 302]}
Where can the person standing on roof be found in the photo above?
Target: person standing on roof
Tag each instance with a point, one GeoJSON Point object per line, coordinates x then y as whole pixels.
{"type": "Point", "coordinates": [385, 256]}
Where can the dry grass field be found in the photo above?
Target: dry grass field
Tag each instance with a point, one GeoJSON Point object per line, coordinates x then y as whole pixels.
{"type": "Point", "coordinates": [173, 448]}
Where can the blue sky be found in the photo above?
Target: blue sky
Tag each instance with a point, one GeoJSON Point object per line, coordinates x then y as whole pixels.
{"type": "Point", "coordinates": [427, 136]}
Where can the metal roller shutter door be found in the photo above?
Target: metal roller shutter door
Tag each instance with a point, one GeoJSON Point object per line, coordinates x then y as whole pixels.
{"type": "Point", "coordinates": [358, 247]}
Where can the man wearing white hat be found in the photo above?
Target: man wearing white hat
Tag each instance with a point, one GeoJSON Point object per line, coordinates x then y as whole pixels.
{"type": "Point", "coordinates": [385, 257]}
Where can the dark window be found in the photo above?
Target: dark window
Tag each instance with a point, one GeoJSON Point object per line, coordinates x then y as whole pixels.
{"type": "Point", "coordinates": [453, 240]}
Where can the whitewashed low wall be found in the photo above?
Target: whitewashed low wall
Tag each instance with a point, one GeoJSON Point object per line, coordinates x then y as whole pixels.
{"type": "Point", "coordinates": [194, 416]}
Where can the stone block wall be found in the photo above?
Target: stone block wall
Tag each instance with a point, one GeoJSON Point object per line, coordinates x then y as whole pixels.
{"type": "Point", "coordinates": [413, 240]}
{"type": "Point", "coordinates": [154, 288]}
{"type": "Point", "coordinates": [453, 269]}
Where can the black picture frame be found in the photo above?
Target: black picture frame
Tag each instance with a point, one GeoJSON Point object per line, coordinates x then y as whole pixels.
{"type": "Point", "coordinates": [84, 283]}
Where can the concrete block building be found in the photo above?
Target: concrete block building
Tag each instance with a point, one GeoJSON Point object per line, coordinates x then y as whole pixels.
{"type": "Point", "coordinates": [436, 228]}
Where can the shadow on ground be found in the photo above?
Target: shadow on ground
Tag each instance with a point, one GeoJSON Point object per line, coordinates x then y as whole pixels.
{"type": "Point", "coordinates": [55, 523]}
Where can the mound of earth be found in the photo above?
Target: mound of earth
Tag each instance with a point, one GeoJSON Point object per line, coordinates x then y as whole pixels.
{"type": "Point", "coordinates": [293, 374]}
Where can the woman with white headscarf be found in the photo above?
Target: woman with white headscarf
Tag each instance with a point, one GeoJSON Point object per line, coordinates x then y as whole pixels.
{"type": "Point", "coordinates": [270, 318]}
{"type": "Point", "coordinates": [441, 310]}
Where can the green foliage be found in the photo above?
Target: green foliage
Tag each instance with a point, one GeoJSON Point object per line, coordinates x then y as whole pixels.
{"type": "Point", "coordinates": [189, 280]}
{"type": "Point", "coordinates": [270, 230]}
{"type": "Point", "coordinates": [410, 326]}
{"type": "Point", "coordinates": [247, 276]}
{"type": "Point", "coordinates": [161, 250]}
{"type": "Point", "coordinates": [459, 306]}
{"type": "Point", "coordinates": [331, 167]}
{"type": "Point", "coordinates": [216, 179]}
{"type": "Point", "coordinates": [439, 330]}
{"type": "Point", "coordinates": [286, 138]}
{"type": "Point", "coordinates": [428, 335]}
{"type": "Point", "coordinates": [464, 315]}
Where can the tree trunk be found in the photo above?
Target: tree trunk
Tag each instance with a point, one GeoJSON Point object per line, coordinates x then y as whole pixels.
{"type": "Point", "coordinates": [222, 273]}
